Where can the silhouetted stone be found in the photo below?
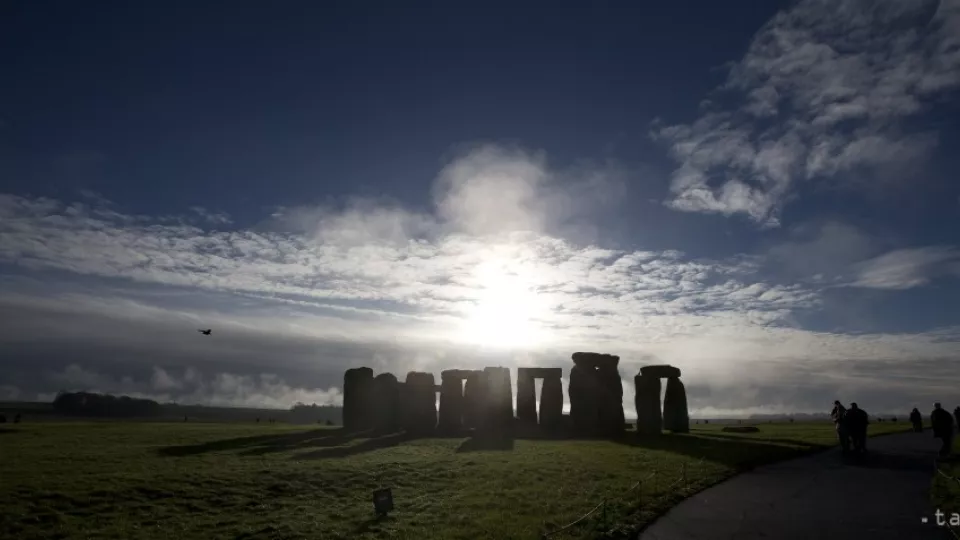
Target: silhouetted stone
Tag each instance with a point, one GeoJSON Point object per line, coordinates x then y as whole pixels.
{"type": "Point", "coordinates": [357, 399]}
{"type": "Point", "coordinates": [551, 404]}
{"type": "Point", "coordinates": [386, 395]}
{"type": "Point", "coordinates": [647, 402]}
{"type": "Point", "coordinates": [527, 395]}
{"type": "Point", "coordinates": [675, 416]}
{"type": "Point", "coordinates": [473, 399]}
{"type": "Point", "coordinates": [542, 372]}
{"type": "Point", "coordinates": [610, 400]}
{"type": "Point", "coordinates": [419, 402]}
{"type": "Point", "coordinates": [451, 401]}
{"type": "Point", "coordinates": [595, 360]}
{"type": "Point", "coordinates": [497, 400]}
{"type": "Point", "coordinates": [662, 371]}
{"type": "Point", "coordinates": [582, 391]}
{"type": "Point", "coordinates": [526, 398]}
{"type": "Point", "coordinates": [596, 393]}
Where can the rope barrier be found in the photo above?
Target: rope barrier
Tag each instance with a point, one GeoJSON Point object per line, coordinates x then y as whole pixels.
{"type": "Point", "coordinates": [638, 484]}
{"type": "Point", "coordinates": [581, 518]}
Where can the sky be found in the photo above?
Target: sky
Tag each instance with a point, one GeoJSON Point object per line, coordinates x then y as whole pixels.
{"type": "Point", "coordinates": [760, 193]}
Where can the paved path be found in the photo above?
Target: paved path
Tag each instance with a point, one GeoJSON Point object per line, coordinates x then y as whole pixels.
{"type": "Point", "coordinates": [818, 497]}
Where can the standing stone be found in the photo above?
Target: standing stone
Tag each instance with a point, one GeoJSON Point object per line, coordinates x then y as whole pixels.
{"type": "Point", "coordinates": [526, 398]}
{"type": "Point", "coordinates": [357, 399]}
{"type": "Point", "coordinates": [595, 360]}
{"type": "Point", "coordinates": [610, 400]}
{"type": "Point", "coordinates": [498, 399]}
{"type": "Point", "coordinates": [451, 401]}
{"type": "Point", "coordinates": [420, 403]}
{"type": "Point", "coordinates": [551, 404]}
{"type": "Point", "coordinates": [386, 391]}
{"type": "Point", "coordinates": [647, 401]}
{"type": "Point", "coordinates": [583, 390]}
{"type": "Point", "coordinates": [596, 393]}
{"type": "Point", "coordinates": [675, 415]}
{"type": "Point", "coordinates": [473, 399]}
{"type": "Point", "coordinates": [661, 371]}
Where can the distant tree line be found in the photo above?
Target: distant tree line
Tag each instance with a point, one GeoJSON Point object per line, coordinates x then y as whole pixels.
{"type": "Point", "coordinates": [108, 406]}
{"type": "Point", "coordinates": [104, 405]}
{"type": "Point", "coordinates": [301, 413]}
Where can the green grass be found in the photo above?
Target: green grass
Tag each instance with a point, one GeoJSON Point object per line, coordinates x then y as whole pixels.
{"type": "Point", "coordinates": [185, 480]}
{"type": "Point", "coordinates": [945, 493]}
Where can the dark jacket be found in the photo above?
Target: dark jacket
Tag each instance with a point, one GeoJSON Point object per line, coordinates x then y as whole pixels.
{"type": "Point", "coordinates": [915, 417]}
{"type": "Point", "coordinates": [857, 420]}
{"type": "Point", "coordinates": [942, 423]}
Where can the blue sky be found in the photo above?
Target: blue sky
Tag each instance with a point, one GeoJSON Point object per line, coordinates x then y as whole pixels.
{"type": "Point", "coordinates": [763, 194]}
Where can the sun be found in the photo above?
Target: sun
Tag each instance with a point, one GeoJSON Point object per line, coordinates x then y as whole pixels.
{"type": "Point", "coordinates": [506, 311]}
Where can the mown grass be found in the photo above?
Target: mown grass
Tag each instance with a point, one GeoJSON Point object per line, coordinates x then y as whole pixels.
{"type": "Point", "coordinates": [210, 481]}
{"type": "Point", "coordinates": [945, 493]}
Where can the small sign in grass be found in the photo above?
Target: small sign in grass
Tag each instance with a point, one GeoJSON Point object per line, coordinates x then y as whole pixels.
{"type": "Point", "coordinates": [382, 501]}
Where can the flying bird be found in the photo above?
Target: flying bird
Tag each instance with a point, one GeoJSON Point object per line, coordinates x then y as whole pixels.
{"type": "Point", "coordinates": [205, 332]}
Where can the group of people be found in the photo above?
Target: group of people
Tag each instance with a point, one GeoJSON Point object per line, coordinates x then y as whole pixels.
{"type": "Point", "coordinates": [851, 427]}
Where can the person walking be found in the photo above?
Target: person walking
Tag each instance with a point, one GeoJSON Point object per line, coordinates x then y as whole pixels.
{"type": "Point", "coordinates": [917, 420]}
{"type": "Point", "coordinates": [838, 414]}
{"type": "Point", "coordinates": [956, 414]}
{"type": "Point", "coordinates": [942, 423]}
{"type": "Point", "coordinates": [857, 421]}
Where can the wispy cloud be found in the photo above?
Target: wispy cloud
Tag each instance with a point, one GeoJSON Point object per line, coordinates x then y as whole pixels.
{"type": "Point", "coordinates": [564, 286]}
{"type": "Point", "coordinates": [824, 88]}
{"type": "Point", "coordinates": [214, 218]}
{"type": "Point", "coordinates": [907, 268]}
{"type": "Point", "coordinates": [315, 290]}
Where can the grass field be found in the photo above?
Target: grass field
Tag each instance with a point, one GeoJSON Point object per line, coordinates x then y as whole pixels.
{"type": "Point", "coordinates": [946, 486]}
{"type": "Point", "coordinates": [192, 480]}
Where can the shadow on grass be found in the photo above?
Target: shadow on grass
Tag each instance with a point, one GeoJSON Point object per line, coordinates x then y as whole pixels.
{"type": "Point", "coordinates": [4, 431]}
{"type": "Point", "coordinates": [263, 444]}
{"type": "Point", "coordinates": [484, 443]}
{"type": "Point", "coordinates": [733, 450]}
{"type": "Point", "coordinates": [741, 453]}
{"type": "Point", "coordinates": [770, 440]}
{"type": "Point", "coordinates": [367, 445]}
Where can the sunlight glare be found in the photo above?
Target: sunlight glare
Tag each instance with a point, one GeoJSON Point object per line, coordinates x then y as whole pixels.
{"type": "Point", "coordinates": [506, 309]}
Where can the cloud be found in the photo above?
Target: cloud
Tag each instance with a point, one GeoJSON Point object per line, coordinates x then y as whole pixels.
{"type": "Point", "coordinates": [433, 274]}
{"type": "Point", "coordinates": [825, 89]}
{"type": "Point", "coordinates": [493, 190]}
{"type": "Point", "coordinates": [213, 218]}
{"type": "Point", "coordinates": [836, 254]}
{"type": "Point", "coordinates": [484, 191]}
{"type": "Point", "coordinates": [822, 252]}
{"type": "Point", "coordinates": [110, 300]}
{"type": "Point", "coordinates": [907, 268]}
{"type": "Point", "coordinates": [732, 357]}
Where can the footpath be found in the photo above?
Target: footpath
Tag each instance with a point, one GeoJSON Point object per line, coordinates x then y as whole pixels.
{"type": "Point", "coordinates": [822, 497]}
